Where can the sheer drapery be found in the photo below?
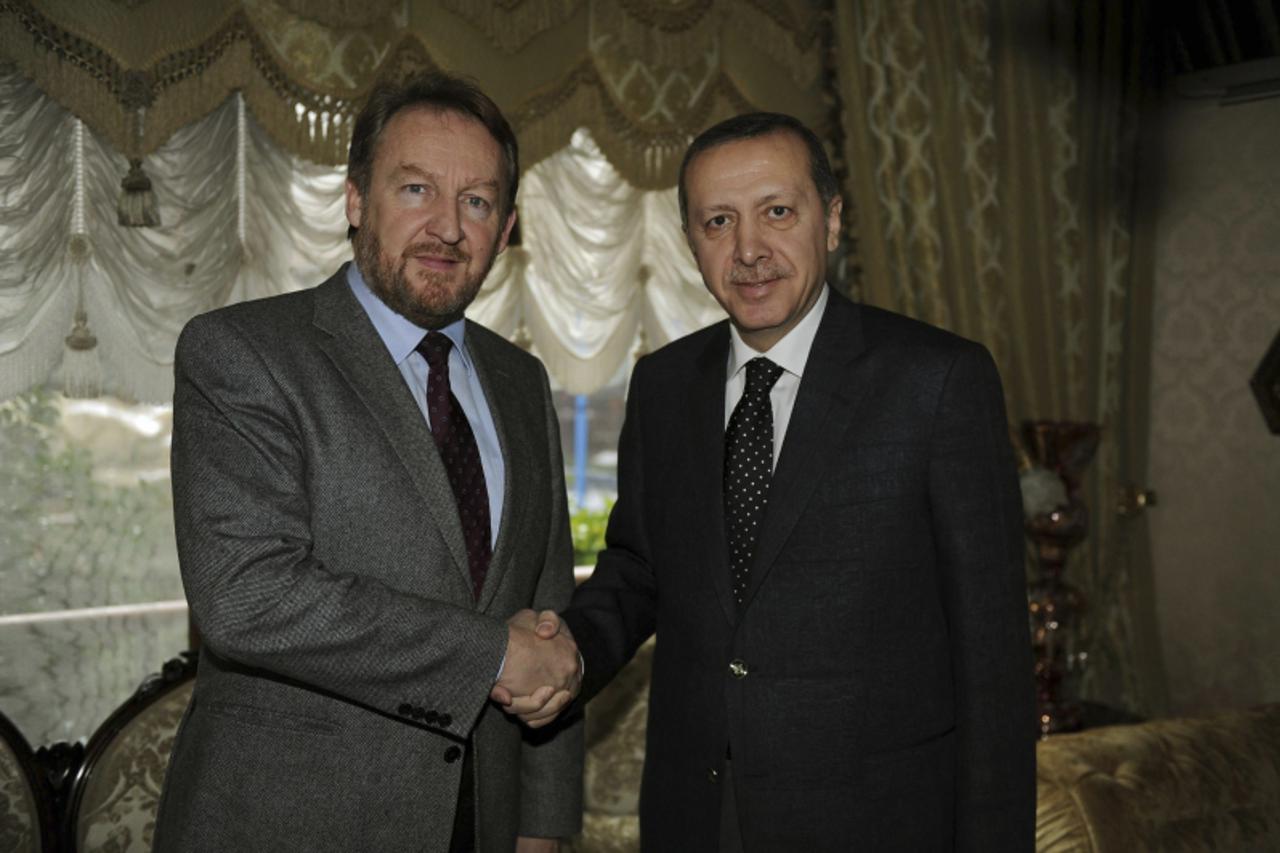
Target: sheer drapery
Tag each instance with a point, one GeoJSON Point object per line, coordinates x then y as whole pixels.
{"type": "Point", "coordinates": [231, 233]}
{"type": "Point", "coordinates": [601, 260]}
{"type": "Point", "coordinates": [603, 266]}
{"type": "Point", "coordinates": [992, 155]}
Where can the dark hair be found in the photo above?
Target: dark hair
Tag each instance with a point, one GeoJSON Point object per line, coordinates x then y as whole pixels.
{"type": "Point", "coordinates": [750, 126]}
{"type": "Point", "coordinates": [432, 90]}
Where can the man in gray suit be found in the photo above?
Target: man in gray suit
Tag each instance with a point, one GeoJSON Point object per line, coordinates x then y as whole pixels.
{"type": "Point", "coordinates": [818, 517]}
{"type": "Point", "coordinates": [367, 487]}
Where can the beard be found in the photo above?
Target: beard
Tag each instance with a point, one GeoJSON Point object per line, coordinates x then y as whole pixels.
{"type": "Point", "coordinates": [432, 301]}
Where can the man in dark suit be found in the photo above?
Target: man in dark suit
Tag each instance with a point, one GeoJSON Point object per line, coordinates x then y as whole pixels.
{"type": "Point", "coordinates": [366, 487]}
{"type": "Point", "coordinates": [818, 515]}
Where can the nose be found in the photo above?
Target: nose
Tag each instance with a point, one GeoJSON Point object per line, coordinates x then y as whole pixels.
{"type": "Point", "coordinates": [749, 243]}
{"type": "Point", "coordinates": [443, 221]}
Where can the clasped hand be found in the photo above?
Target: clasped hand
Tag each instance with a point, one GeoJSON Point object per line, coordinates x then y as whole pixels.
{"type": "Point", "coordinates": [542, 673]}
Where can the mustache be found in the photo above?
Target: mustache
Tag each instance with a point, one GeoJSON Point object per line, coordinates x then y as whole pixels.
{"type": "Point", "coordinates": [439, 250]}
{"type": "Point", "coordinates": [757, 274]}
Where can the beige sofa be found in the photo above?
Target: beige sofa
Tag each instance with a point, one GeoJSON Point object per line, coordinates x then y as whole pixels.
{"type": "Point", "coordinates": [1188, 784]}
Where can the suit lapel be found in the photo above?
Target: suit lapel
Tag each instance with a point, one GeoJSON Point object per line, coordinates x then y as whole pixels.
{"type": "Point", "coordinates": [826, 401]}
{"type": "Point", "coordinates": [509, 409]}
{"type": "Point", "coordinates": [706, 448]}
{"type": "Point", "coordinates": [353, 344]}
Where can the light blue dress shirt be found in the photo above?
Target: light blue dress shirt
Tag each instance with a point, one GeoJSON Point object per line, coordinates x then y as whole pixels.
{"type": "Point", "coordinates": [402, 338]}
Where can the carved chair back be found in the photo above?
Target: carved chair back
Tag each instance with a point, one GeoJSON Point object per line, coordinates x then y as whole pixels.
{"type": "Point", "coordinates": [116, 791]}
{"type": "Point", "coordinates": [27, 822]}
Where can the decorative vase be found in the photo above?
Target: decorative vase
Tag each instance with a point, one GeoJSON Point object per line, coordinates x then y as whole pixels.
{"type": "Point", "coordinates": [1065, 448]}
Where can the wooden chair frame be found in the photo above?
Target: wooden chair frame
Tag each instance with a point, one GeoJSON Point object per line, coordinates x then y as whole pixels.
{"type": "Point", "coordinates": [46, 814]}
{"type": "Point", "coordinates": [175, 673]}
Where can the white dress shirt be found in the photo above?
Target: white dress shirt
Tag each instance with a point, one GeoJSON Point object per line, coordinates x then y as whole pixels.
{"type": "Point", "coordinates": [791, 354]}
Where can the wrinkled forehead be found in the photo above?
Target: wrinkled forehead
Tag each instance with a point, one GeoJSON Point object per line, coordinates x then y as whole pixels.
{"type": "Point", "coordinates": [423, 128]}
{"type": "Point", "coordinates": [768, 164]}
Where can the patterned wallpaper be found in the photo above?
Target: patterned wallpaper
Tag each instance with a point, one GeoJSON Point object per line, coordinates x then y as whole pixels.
{"type": "Point", "coordinates": [1216, 468]}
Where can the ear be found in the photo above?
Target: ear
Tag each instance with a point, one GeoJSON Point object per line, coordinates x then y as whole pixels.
{"type": "Point", "coordinates": [355, 204]}
{"type": "Point", "coordinates": [833, 223]}
{"type": "Point", "coordinates": [506, 231]}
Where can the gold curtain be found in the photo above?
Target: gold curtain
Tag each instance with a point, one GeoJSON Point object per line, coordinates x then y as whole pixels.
{"type": "Point", "coordinates": [642, 75]}
{"type": "Point", "coordinates": [991, 149]}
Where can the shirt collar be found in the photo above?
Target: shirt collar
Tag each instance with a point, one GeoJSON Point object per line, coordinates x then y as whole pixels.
{"type": "Point", "coordinates": [400, 335]}
{"type": "Point", "coordinates": [792, 352]}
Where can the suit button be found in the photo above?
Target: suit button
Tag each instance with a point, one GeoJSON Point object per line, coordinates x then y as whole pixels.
{"type": "Point", "coordinates": [738, 668]}
{"type": "Point", "coordinates": [430, 718]}
{"type": "Point", "coordinates": [713, 775]}
{"type": "Point", "coordinates": [406, 710]}
{"type": "Point", "coordinates": [444, 721]}
{"type": "Point", "coordinates": [452, 754]}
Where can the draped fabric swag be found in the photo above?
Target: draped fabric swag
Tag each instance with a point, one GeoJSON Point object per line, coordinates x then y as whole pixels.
{"type": "Point", "coordinates": [987, 150]}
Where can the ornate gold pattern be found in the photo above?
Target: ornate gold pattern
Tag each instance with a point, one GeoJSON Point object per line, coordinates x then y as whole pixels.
{"type": "Point", "coordinates": [615, 738]}
{"type": "Point", "coordinates": [975, 82]}
{"type": "Point", "coordinates": [118, 807]}
{"type": "Point", "coordinates": [511, 24]}
{"type": "Point", "coordinates": [795, 17]}
{"type": "Point", "coordinates": [659, 73]}
{"type": "Point", "coordinates": [670, 16]}
{"type": "Point", "coordinates": [17, 806]}
{"type": "Point", "coordinates": [647, 154]}
{"type": "Point", "coordinates": [340, 14]}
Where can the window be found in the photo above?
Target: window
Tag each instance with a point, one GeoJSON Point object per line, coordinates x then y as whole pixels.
{"type": "Point", "coordinates": [93, 601]}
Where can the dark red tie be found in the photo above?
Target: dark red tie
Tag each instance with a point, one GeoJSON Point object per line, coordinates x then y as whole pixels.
{"type": "Point", "coordinates": [460, 454]}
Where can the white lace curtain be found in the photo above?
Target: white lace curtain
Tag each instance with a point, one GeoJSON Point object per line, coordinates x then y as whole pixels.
{"type": "Point", "coordinates": [603, 268]}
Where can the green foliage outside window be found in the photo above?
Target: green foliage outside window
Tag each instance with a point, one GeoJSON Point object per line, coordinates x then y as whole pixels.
{"type": "Point", "coordinates": [588, 533]}
{"type": "Point", "coordinates": [67, 540]}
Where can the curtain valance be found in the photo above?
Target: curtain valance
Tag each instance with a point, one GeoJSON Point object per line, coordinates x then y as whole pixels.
{"type": "Point", "coordinates": [641, 75]}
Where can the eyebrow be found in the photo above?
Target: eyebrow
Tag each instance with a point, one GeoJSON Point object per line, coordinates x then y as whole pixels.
{"type": "Point", "coordinates": [719, 207]}
{"type": "Point", "coordinates": [405, 170]}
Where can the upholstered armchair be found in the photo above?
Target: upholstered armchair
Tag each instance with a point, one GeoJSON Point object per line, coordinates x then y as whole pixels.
{"type": "Point", "coordinates": [615, 757]}
{"type": "Point", "coordinates": [26, 811]}
{"type": "Point", "coordinates": [116, 791]}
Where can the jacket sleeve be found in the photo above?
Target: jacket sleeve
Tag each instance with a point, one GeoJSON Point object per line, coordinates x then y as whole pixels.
{"type": "Point", "coordinates": [258, 594]}
{"type": "Point", "coordinates": [551, 757]}
{"type": "Point", "coordinates": [977, 524]}
{"type": "Point", "coordinates": [614, 611]}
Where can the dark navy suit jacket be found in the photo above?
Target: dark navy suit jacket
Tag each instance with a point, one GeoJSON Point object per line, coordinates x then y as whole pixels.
{"type": "Point", "coordinates": [887, 700]}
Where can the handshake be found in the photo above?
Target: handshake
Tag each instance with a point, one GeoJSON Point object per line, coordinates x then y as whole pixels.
{"type": "Point", "coordinates": [543, 671]}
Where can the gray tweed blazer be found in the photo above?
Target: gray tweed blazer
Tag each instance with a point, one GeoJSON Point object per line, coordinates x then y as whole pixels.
{"type": "Point", "coordinates": [344, 660]}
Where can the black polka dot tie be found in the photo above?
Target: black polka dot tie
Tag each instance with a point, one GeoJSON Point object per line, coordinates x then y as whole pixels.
{"type": "Point", "coordinates": [460, 454]}
{"type": "Point", "coordinates": [748, 467]}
